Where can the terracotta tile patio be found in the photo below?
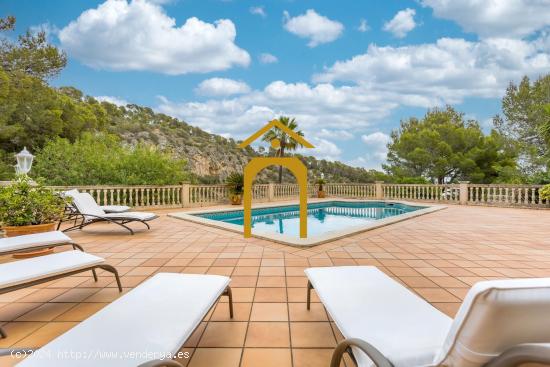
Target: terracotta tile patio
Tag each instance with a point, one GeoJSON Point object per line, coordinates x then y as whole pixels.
{"type": "Point", "coordinates": [439, 256]}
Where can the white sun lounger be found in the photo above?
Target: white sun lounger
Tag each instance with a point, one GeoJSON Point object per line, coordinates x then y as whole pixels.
{"type": "Point", "coordinates": [29, 272]}
{"type": "Point", "coordinates": [146, 325]}
{"type": "Point", "coordinates": [90, 212]}
{"type": "Point", "coordinates": [105, 208]}
{"type": "Point", "coordinates": [35, 241]}
{"type": "Point", "coordinates": [381, 319]}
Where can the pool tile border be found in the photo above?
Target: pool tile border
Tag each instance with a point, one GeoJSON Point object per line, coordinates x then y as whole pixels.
{"type": "Point", "coordinates": [310, 241]}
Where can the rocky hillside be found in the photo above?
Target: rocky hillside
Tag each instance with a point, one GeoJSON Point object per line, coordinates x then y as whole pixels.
{"type": "Point", "coordinates": [212, 157]}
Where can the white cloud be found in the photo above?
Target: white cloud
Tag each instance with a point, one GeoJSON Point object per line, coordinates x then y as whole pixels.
{"type": "Point", "coordinates": [334, 134]}
{"type": "Point", "coordinates": [139, 35]}
{"type": "Point", "coordinates": [221, 87]}
{"type": "Point", "coordinates": [267, 58]}
{"type": "Point", "coordinates": [372, 85]}
{"type": "Point", "coordinates": [376, 151]}
{"type": "Point", "coordinates": [402, 23]}
{"type": "Point", "coordinates": [111, 99]}
{"type": "Point", "coordinates": [443, 72]}
{"type": "Point", "coordinates": [315, 27]}
{"type": "Point", "coordinates": [323, 149]}
{"type": "Point", "coordinates": [51, 30]}
{"type": "Point", "coordinates": [494, 18]}
{"type": "Point", "coordinates": [363, 26]}
{"type": "Point", "coordinates": [378, 141]}
{"type": "Point", "coordinates": [322, 106]}
{"type": "Point", "coordinates": [258, 10]}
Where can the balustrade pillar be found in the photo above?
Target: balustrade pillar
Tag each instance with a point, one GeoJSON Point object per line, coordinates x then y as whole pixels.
{"type": "Point", "coordinates": [271, 192]}
{"type": "Point", "coordinates": [379, 192]}
{"type": "Point", "coordinates": [463, 189]}
{"type": "Point", "coordinates": [185, 195]}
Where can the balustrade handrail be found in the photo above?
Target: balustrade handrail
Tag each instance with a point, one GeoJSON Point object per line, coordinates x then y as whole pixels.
{"type": "Point", "coordinates": [186, 195]}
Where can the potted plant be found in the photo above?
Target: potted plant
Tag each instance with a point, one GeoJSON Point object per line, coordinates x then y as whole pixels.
{"type": "Point", "coordinates": [321, 192]}
{"type": "Point", "coordinates": [235, 183]}
{"type": "Point", "coordinates": [27, 207]}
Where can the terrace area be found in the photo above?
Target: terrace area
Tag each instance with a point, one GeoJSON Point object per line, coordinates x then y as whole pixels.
{"type": "Point", "coordinates": [438, 256]}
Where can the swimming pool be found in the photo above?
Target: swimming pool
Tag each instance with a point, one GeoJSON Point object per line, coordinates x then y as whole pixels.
{"type": "Point", "coordinates": [321, 217]}
{"type": "Point", "coordinates": [327, 219]}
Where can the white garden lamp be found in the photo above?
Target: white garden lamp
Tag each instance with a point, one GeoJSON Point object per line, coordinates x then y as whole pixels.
{"type": "Point", "coordinates": [24, 161]}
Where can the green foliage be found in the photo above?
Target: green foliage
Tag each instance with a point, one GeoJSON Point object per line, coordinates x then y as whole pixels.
{"type": "Point", "coordinates": [442, 147]}
{"type": "Point", "coordinates": [544, 192]}
{"type": "Point", "coordinates": [526, 123]}
{"type": "Point", "coordinates": [25, 203]}
{"type": "Point", "coordinates": [31, 113]}
{"type": "Point", "coordinates": [7, 169]}
{"type": "Point", "coordinates": [545, 126]}
{"type": "Point", "coordinates": [102, 159]}
{"type": "Point", "coordinates": [31, 54]}
{"type": "Point", "coordinates": [235, 183]}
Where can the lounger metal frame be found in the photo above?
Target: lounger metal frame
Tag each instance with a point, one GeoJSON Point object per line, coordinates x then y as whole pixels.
{"type": "Point", "coordinates": [514, 356]}
{"type": "Point", "coordinates": [86, 221]}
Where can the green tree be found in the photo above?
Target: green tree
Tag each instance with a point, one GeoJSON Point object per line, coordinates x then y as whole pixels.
{"type": "Point", "coordinates": [442, 147]}
{"type": "Point", "coordinates": [286, 142]}
{"type": "Point", "coordinates": [31, 54]}
{"type": "Point", "coordinates": [32, 113]}
{"type": "Point", "coordinates": [526, 123]}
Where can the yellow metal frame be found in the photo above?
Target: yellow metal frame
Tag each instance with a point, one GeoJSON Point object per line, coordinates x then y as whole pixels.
{"type": "Point", "coordinates": [278, 125]}
{"type": "Point", "coordinates": [254, 167]}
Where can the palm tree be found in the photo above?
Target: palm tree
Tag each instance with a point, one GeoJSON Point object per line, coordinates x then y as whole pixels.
{"type": "Point", "coordinates": [286, 143]}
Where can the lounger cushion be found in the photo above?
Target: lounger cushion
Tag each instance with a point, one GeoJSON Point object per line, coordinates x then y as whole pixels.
{"type": "Point", "coordinates": [114, 208]}
{"type": "Point", "coordinates": [86, 204]}
{"type": "Point", "coordinates": [495, 316]}
{"type": "Point", "coordinates": [23, 271]}
{"type": "Point", "coordinates": [132, 215]}
{"type": "Point", "coordinates": [367, 304]}
{"type": "Point", "coordinates": [33, 240]}
{"type": "Point", "coordinates": [70, 193]}
{"type": "Point", "coordinates": [151, 321]}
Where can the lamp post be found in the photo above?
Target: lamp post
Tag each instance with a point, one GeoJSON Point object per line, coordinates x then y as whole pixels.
{"type": "Point", "coordinates": [24, 161]}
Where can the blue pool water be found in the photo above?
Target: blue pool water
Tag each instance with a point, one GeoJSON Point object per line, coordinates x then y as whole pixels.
{"type": "Point", "coordinates": [322, 217]}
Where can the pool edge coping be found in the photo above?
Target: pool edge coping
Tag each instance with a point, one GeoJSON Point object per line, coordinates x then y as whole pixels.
{"type": "Point", "coordinates": [310, 241]}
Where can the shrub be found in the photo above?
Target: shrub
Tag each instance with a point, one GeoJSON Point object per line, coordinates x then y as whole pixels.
{"type": "Point", "coordinates": [102, 159]}
{"type": "Point", "coordinates": [544, 192]}
{"type": "Point", "coordinates": [24, 203]}
{"type": "Point", "coordinates": [235, 183]}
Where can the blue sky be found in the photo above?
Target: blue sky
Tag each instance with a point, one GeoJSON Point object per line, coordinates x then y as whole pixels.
{"type": "Point", "coordinates": [347, 70]}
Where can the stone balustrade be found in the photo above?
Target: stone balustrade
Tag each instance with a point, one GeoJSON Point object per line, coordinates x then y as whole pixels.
{"type": "Point", "coordinates": [187, 195]}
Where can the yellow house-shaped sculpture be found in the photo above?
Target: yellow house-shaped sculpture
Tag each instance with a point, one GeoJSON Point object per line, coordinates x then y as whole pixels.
{"type": "Point", "coordinates": [257, 164]}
